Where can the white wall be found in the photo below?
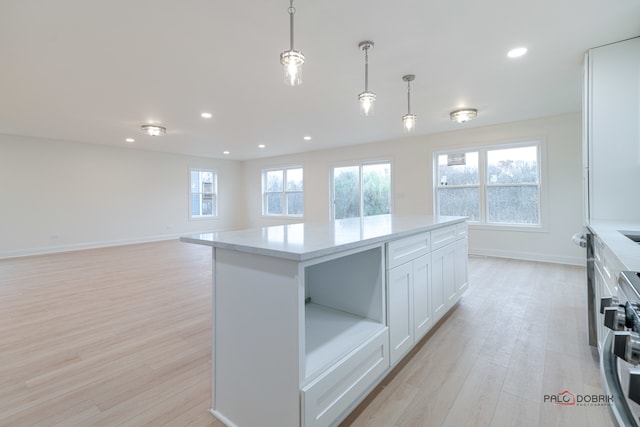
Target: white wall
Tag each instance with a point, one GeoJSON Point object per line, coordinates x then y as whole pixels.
{"type": "Point", "coordinates": [412, 177]}
{"type": "Point", "coordinates": [90, 195]}
{"type": "Point", "coordinates": [61, 195]}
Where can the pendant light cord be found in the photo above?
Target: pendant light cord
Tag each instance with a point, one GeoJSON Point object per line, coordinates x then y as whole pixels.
{"type": "Point", "coordinates": [366, 69]}
{"type": "Point", "coordinates": [408, 97]}
{"type": "Point", "coordinates": [292, 11]}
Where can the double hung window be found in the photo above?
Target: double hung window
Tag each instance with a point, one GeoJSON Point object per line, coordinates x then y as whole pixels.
{"type": "Point", "coordinates": [283, 192]}
{"type": "Point", "coordinates": [493, 185]}
{"type": "Point", "coordinates": [203, 197]}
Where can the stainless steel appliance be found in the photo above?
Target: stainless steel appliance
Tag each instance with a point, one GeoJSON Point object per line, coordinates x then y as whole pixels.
{"type": "Point", "coordinates": [592, 316]}
{"type": "Point", "coordinates": [620, 355]}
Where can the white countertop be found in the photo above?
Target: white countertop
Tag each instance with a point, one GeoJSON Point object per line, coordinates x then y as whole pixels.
{"type": "Point", "coordinates": [309, 240]}
{"type": "Point", "coordinates": [627, 251]}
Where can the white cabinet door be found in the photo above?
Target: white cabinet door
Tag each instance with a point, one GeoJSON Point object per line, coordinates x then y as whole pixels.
{"type": "Point", "coordinates": [400, 294]}
{"type": "Point", "coordinates": [422, 318]}
{"type": "Point", "coordinates": [613, 134]}
{"type": "Point", "coordinates": [443, 279]}
{"type": "Point", "coordinates": [438, 279]}
{"type": "Point", "coordinates": [461, 259]}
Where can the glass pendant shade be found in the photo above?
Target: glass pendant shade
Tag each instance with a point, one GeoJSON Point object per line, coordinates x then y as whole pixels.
{"type": "Point", "coordinates": [367, 99]}
{"type": "Point", "coordinates": [292, 61]}
{"type": "Point", "coordinates": [409, 121]}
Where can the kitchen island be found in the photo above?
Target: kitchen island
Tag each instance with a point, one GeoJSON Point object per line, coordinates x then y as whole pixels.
{"type": "Point", "coordinates": [308, 318]}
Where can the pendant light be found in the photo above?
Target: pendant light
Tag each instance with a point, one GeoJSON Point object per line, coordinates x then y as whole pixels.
{"type": "Point", "coordinates": [291, 59]}
{"type": "Point", "coordinates": [366, 98]}
{"type": "Point", "coordinates": [409, 120]}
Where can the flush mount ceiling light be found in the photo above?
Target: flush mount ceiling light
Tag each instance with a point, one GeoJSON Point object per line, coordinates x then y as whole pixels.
{"type": "Point", "coordinates": [409, 120]}
{"type": "Point", "coordinates": [154, 130]}
{"type": "Point", "coordinates": [463, 115]}
{"type": "Point", "coordinates": [291, 59]}
{"type": "Point", "coordinates": [366, 98]}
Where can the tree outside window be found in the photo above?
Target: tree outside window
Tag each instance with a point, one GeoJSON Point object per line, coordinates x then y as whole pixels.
{"type": "Point", "coordinates": [491, 185]}
{"type": "Point", "coordinates": [361, 190]}
{"type": "Point", "coordinates": [283, 192]}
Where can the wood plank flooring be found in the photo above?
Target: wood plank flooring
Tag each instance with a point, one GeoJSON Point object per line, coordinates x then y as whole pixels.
{"type": "Point", "coordinates": [121, 337]}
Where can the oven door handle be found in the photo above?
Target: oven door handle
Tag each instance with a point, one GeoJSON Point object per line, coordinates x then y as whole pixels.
{"type": "Point", "coordinates": [609, 373]}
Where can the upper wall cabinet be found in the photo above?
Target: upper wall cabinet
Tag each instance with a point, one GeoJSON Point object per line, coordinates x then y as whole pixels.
{"type": "Point", "coordinates": [612, 131]}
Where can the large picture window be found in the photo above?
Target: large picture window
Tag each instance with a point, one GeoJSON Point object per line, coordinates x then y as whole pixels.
{"type": "Point", "coordinates": [361, 190]}
{"type": "Point", "coordinates": [491, 185]}
{"type": "Point", "coordinates": [203, 195]}
{"type": "Point", "coordinates": [283, 192]}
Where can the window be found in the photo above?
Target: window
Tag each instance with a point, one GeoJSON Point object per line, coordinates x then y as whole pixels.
{"type": "Point", "coordinates": [361, 190]}
{"type": "Point", "coordinates": [203, 194]}
{"type": "Point", "coordinates": [282, 192]}
{"type": "Point", "coordinates": [492, 185]}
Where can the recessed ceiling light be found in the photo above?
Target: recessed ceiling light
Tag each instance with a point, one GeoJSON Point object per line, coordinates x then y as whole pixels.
{"type": "Point", "coordinates": [261, 146]}
{"type": "Point", "coordinates": [307, 138]}
{"type": "Point", "coordinates": [206, 115]}
{"type": "Point", "coordinates": [517, 52]}
{"type": "Point", "coordinates": [225, 152]}
{"type": "Point", "coordinates": [130, 140]}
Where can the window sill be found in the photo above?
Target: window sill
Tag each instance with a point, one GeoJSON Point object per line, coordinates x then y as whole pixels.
{"type": "Point", "coordinates": [203, 218]}
{"type": "Point", "coordinates": [292, 217]}
{"type": "Point", "coordinates": [507, 227]}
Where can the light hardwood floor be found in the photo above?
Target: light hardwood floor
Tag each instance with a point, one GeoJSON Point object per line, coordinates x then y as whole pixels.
{"type": "Point", "coordinates": [121, 337]}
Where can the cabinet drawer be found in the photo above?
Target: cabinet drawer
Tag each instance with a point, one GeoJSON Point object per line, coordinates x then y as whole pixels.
{"type": "Point", "coordinates": [443, 236]}
{"type": "Point", "coordinates": [404, 250]}
{"type": "Point", "coordinates": [331, 394]}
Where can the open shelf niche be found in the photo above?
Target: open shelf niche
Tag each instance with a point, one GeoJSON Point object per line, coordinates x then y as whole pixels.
{"type": "Point", "coordinates": [345, 307]}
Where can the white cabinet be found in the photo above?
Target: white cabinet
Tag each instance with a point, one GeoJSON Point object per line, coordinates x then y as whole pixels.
{"type": "Point", "coordinates": [346, 337]}
{"type": "Point", "coordinates": [461, 260]}
{"type": "Point", "coordinates": [425, 279]}
{"type": "Point", "coordinates": [443, 263]}
{"type": "Point", "coordinates": [612, 133]}
{"type": "Point", "coordinates": [409, 293]}
{"type": "Point", "coordinates": [400, 292]}
{"type": "Point", "coordinates": [449, 269]}
{"type": "Point", "coordinates": [304, 330]}
{"type": "Point", "coordinates": [422, 310]}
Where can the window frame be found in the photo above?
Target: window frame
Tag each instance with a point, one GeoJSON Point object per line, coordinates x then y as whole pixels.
{"type": "Point", "coordinates": [360, 165]}
{"type": "Point", "coordinates": [214, 194]}
{"type": "Point", "coordinates": [484, 185]}
{"type": "Point", "coordinates": [284, 192]}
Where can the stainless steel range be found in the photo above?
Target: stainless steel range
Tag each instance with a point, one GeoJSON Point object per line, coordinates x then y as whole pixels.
{"type": "Point", "coordinates": [621, 350]}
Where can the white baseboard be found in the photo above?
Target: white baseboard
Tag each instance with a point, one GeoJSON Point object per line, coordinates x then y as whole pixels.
{"type": "Point", "coordinates": [529, 256]}
{"type": "Point", "coordinates": [87, 245]}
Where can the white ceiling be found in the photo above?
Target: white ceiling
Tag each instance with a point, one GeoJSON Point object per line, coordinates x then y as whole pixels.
{"type": "Point", "coordinates": [95, 71]}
